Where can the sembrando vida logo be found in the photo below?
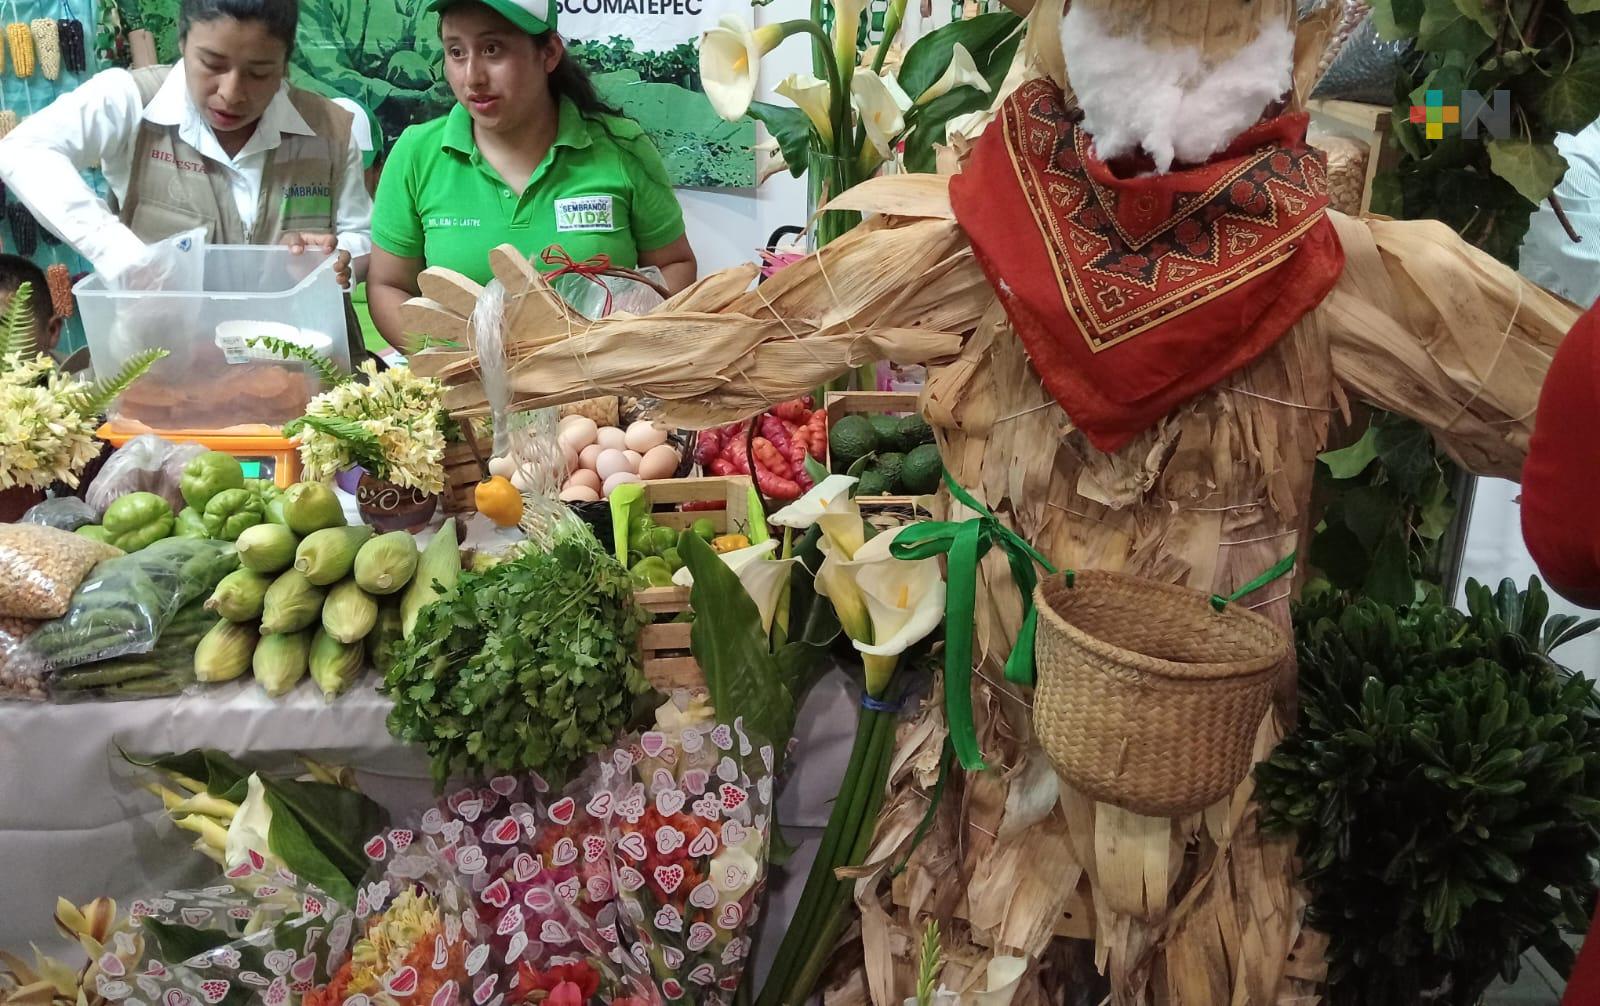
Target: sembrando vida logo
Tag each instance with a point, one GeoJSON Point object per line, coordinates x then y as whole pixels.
{"type": "Point", "coordinates": [1472, 113]}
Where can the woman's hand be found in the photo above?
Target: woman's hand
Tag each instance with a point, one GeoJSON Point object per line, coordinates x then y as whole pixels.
{"type": "Point", "coordinates": [299, 241]}
{"type": "Point", "coordinates": [676, 262]}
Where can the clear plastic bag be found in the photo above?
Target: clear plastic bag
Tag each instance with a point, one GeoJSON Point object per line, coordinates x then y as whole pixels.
{"type": "Point", "coordinates": [14, 684]}
{"type": "Point", "coordinates": [64, 513]}
{"type": "Point", "coordinates": [1363, 69]}
{"type": "Point", "coordinates": [174, 264]}
{"type": "Point", "coordinates": [41, 566]}
{"type": "Point", "coordinates": [146, 463]}
{"type": "Point", "coordinates": [598, 295]}
{"type": "Point", "coordinates": [125, 604]}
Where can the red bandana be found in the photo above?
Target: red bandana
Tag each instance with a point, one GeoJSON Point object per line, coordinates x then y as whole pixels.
{"type": "Point", "coordinates": [1133, 295]}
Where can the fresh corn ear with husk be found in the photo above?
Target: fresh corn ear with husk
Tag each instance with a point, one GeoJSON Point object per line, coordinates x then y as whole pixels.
{"type": "Point", "coordinates": [440, 564]}
{"type": "Point", "coordinates": [224, 652]}
{"type": "Point", "coordinates": [281, 661]}
{"type": "Point", "coordinates": [239, 596]}
{"type": "Point", "coordinates": [267, 547]}
{"type": "Point", "coordinates": [334, 665]}
{"type": "Point", "coordinates": [19, 39]}
{"type": "Point", "coordinates": [386, 563]}
{"type": "Point", "coordinates": [328, 555]}
{"type": "Point", "coordinates": [386, 635]}
{"type": "Point", "coordinates": [47, 43]}
{"type": "Point", "coordinates": [292, 603]}
{"type": "Point", "coordinates": [349, 613]}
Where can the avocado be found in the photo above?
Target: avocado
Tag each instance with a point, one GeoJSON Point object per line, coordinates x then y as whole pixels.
{"type": "Point", "coordinates": [885, 430]}
{"type": "Point", "coordinates": [849, 439]}
{"type": "Point", "coordinates": [872, 484]}
{"type": "Point", "coordinates": [889, 466]}
{"type": "Point", "coordinates": [913, 432]}
{"type": "Point", "coordinates": [921, 470]}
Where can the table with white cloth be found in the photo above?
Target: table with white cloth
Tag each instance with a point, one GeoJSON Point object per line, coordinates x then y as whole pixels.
{"type": "Point", "coordinates": [74, 822]}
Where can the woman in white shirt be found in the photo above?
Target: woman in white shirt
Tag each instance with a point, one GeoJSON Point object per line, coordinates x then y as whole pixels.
{"type": "Point", "coordinates": [217, 140]}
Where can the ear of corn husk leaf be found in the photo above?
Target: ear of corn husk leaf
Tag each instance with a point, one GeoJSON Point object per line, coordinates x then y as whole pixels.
{"type": "Point", "coordinates": [8, 121]}
{"type": "Point", "coordinates": [47, 46]}
{"type": "Point", "coordinates": [19, 39]}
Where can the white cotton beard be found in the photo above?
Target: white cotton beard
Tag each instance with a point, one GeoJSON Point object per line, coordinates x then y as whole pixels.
{"type": "Point", "coordinates": [1168, 101]}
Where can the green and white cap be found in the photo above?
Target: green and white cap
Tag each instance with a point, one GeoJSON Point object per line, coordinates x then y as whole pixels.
{"type": "Point", "coordinates": [533, 16]}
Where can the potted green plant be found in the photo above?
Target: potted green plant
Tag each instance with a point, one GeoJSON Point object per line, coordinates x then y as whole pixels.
{"type": "Point", "coordinates": [1444, 786]}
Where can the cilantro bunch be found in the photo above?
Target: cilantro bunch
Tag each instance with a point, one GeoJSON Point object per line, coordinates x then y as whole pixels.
{"type": "Point", "coordinates": [531, 665]}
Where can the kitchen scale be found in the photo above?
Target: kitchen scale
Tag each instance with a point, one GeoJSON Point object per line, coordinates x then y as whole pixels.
{"type": "Point", "coordinates": [262, 456]}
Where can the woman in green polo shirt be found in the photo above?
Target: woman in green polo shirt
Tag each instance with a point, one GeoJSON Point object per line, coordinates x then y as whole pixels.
{"type": "Point", "coordinates": [528, 156]}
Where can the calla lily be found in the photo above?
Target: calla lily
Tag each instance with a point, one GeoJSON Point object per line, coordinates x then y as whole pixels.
{"type": "Point", "coordinates": [730, 54]}
{"type": "Point", "coordinates": [250, 826]}
{"type": "Point", "coordinates": [839, 587]}
{"type": "Point", "coordinates": [882, 105]}
{"type": "Point", "coordinates": [846, 26]}
{"type": "Point", "coordinates": [962, 72]}
{"type": "Point", "coordinates": [1002, 977]}
{"type": "Point", "coordinates": [812, 97]}
{"type": "Point", "coordinates": [904, 600]}
{"type": "Point", "coordinates": [763, 578]}
{"type": "Point", "coordinates": [830, 505]}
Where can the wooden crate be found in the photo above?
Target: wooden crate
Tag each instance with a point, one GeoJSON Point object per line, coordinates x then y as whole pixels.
{"type": "Point", "coordinates": [846, 403]}
{"type": "Point", "coordinates": [664, 643]}
{"type": "Point", "coordinates": [1366, 124]}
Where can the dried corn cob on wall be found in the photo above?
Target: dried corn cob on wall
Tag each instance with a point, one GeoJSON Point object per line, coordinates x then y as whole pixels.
{"type": "Point", "coordinates": [74, 52]}
{"type": "Point", "coordinates": [60, 282]}
{"type": "Point", "coordinates": [46, 46]}
{"type": "Point", "coordinates": [19, 39]}
{"type": "Point", "coordinates": [8, 121]}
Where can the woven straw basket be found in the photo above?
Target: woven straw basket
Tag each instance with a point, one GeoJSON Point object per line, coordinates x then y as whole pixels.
{"type": "Point", "coordinates": [1148, 698]}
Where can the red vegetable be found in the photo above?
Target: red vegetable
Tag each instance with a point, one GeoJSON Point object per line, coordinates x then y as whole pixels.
{"type": "Point", "coordinates": [777, 487]}
{"type": "Point", "coordinates": [707, 444]}
{"type": "Point", "coordinates": [818, 424]}
{"type": "Point", "coordinates": [795, 411]}
{"type": "Point", "coordinates": [775, 431]}
{"type": "Point", "coordinates": [722, 466]}
{"type": "Point", "coordinates": [768, 457]}
{"type": "Point", "coordinates": [735, 453]}
{"type": "Point", "coordinates": [696, 505]}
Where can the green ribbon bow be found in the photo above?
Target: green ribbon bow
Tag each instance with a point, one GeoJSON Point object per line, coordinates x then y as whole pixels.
{"type": "Point", "coordinates": [966, 542]}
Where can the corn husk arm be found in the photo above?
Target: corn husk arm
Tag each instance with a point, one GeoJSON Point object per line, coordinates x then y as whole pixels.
{"type": "Point", "coordinates": [902, 289]}
{"type": "Point", "coordinates": [1425, 325]}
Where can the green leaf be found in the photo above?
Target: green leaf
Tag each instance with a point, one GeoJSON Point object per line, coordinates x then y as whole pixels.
{"type": "Point", "coordinates": [359, 442]}
{"type": "Point", "coordinates": [1571, 100]}
{"type": "Point", "coordinates": [336, 820]}
{"type": "Point", "coordinates": [742, 676]}
{"type": "Point", "coordinates": [1397, 19]}
{"type": "Point", "coordinates": [96, 398]}
{"type": "Point", "coordinates": [16, 327]}
{"type": "Point", "coordinates": [1389, 580]}
{"type": "Point", "coordinates": [291, 843]}
{"type": "Point", "coordinates": [1584, 6]}
{"type": "Point", "coordinates": [816, 469]}
{"type": "Point", "coordinates": [1371, 511]}
{"type": "Point", "coordinates": [928, 57]}
{"type": "Point", "coordinates": [182, 943]}
{"type": "Point", "coordinates": [330, 375]}
{"type": "Point", "coordinates": [222, 775]}
{"type": "Point", "coordinates": [1480, 15]}
{"type": "Point", "coordinates": [790, 127]}
{"type": "Point", "coordinates": [1339, 554]}
{"type": "Point", "coordinates": [1348, 462]}
{"type": "Point", "coordinates": [1406, 450]}
{"type": "Point", "coordinates": [1533, 169]}
{"type": "Point", "coordinates": [1445, 29]}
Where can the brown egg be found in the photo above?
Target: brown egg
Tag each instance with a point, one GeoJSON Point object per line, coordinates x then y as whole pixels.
{"type": "Point", "coordinates": [589, 455]}
{"type": "Point", "coordinates": [643, 435]}
{"type": "Point", "coordinates": [584, 477]}
{"type": "Point", "coordinates": [579, 494]}
{"type": "Point", "coordinates": [659, 462]}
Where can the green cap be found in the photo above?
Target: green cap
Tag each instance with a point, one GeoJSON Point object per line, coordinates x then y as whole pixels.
{"type": "Point", "coordinates": [533, 16]}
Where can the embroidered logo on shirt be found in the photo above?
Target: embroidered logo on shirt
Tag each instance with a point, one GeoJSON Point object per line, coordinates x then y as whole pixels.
{"type": "Point", "coordinates": [585, 213]}
{"type": "Point", "coordinates": [307, 201]}
{"type": "Point", "coordinates": [433, 223]}
{"type": "Point", "coordinates": [199, 167]}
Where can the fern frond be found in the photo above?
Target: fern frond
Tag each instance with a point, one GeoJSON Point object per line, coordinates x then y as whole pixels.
{"type": "Point", "coordinates": [94, 399]}
{"type": "Point", "coordinates": [330, 375]}
{"type": "Point", "coordinates": [16, 325]}
{"type": "Point", "coordinates": [363, 446]}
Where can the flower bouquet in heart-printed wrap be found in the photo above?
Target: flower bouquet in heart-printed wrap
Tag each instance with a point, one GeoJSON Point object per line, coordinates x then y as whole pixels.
{"type": "Point", "coordinates": [689, 829]}
{"type": "Point", "coordinates": [260, 936]}
{"type": "Point", "coordinates": [412, 934]}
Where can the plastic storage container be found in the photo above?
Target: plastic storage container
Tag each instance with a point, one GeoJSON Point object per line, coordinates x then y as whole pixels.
{"type": "Point", "coordinates": [211, 381]}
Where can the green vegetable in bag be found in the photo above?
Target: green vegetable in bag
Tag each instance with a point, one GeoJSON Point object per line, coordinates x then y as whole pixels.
{"type": "Point", "coordinates": [231, 511]}
{"type": "Point", "coordinates": [207, 475]}
{"type": "Point", "coordinates": [190, 524]}
{"type": "Point", "coordinates": [138, 520]}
